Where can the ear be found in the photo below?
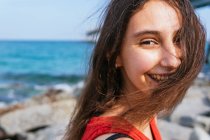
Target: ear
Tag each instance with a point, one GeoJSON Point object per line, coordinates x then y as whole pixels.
{"type": "Point", "coordinates": [118, 62]}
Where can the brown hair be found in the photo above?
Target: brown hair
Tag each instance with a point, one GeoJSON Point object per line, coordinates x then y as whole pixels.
{"type": "Point", "coordinates": [104, 82]}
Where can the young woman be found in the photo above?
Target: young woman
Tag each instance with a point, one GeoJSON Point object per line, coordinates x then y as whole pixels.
{"type": "Point", "coordinates": [147, 55]}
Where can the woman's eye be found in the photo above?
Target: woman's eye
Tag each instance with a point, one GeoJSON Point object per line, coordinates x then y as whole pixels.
{"type": "Point", "coordinates": [148, 42]}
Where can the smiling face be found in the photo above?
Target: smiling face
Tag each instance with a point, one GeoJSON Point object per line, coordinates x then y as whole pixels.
{"type": "Point", "coordinates": [150, 51]}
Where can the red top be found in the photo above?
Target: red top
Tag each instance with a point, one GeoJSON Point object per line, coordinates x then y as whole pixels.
{"type": "Point", "coordinates": [98, 126]}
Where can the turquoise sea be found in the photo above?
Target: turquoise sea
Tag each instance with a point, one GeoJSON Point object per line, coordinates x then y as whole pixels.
{"type": "Point", "coordinates": [26, 65]}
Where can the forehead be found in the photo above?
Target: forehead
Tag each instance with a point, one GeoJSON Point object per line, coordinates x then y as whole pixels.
{"type": "Point", "coordinates": [158, 15]}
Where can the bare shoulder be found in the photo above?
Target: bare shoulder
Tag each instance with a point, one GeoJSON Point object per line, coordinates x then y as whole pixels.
{"type": "Point", "coordinates": [105, 136]}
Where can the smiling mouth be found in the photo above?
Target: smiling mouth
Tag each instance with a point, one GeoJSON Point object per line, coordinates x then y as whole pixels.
{"type": "Point", "coordinates": [159, 77]}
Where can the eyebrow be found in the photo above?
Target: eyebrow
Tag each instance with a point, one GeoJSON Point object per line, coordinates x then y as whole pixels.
{"type": "Point", "coordinates": [152, 32]}
{"type": "Point", "coordinates": [140, 33]}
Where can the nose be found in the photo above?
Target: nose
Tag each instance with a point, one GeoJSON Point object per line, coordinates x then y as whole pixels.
{"type": "Point", "coordinates": [171, 58]}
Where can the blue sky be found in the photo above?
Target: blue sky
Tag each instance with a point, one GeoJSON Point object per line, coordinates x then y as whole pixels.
{"type": "Point", "coordinates": [56, 19]}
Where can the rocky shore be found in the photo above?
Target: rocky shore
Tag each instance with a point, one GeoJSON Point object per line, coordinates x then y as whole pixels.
{"type": "Point", "coordinates": [45, 117]}
{"type": "Point", "coordinates": [191, 119]}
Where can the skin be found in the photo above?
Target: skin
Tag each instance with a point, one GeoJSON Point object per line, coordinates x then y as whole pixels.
{"type": "Point", "coordinates": [149, 47]}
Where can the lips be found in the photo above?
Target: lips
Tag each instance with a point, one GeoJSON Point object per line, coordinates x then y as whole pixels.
{"type": "Point", "coordinates": [159, 77]}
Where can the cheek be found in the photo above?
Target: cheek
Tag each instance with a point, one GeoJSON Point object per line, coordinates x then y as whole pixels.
{"type": "Point", "coordinates": [142, 61]}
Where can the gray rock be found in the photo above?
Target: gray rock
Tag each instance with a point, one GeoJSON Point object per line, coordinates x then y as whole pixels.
{"type": "Point", "coordinates": [55, 132]}
{"type": "Point", "coordinates": [21, 120]}
{"type": "Point", "coordinates": [203, 122]}
{"type": "Point", "coordinates": [172, 131]}
{"type": "Point", "coordinates": [192, 106]}
{"type": "Point", "coordinates": [199, 134]}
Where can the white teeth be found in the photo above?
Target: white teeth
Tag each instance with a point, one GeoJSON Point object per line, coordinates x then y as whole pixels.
{"type": "Point", "coordinates": [158, 77]}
